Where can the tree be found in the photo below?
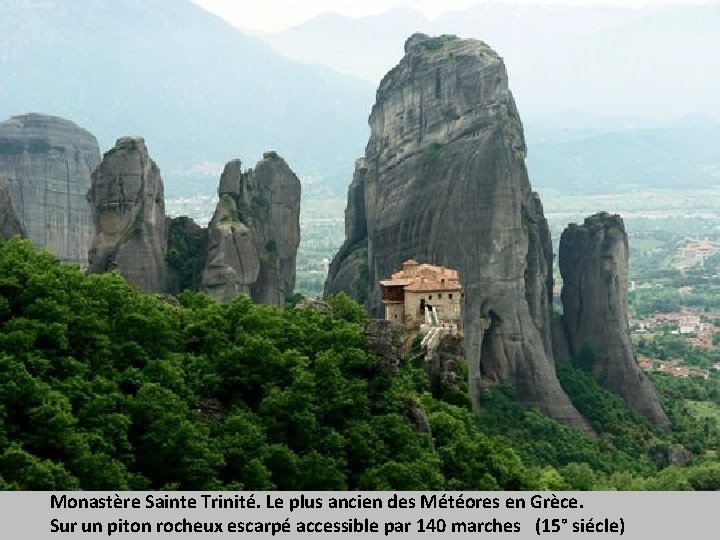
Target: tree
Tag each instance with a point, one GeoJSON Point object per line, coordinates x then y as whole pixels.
{"type": "Point", "coordinates": [346, 309]}
{"type": "Point", "coordinates": [586, 357]}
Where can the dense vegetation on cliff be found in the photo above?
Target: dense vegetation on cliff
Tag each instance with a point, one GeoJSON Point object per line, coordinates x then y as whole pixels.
{"type": "Point", "coordinates": [627, 454]}
{"type": "Point", "coordinates": [105, 388]}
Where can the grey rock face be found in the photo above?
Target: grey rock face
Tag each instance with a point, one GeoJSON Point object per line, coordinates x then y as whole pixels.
{"type": "Point", "coordinates": [9, 223]}
{"type": "Point", "coordinates": [127, 200]}
{"type": "Point", "coordinates": [315, 305]}
{"type": "Point", "coordinates": [415, 414]}
{"type": "Point", "coordinates": [385, 340]}
{"type": "Point", "coordinates": [443, 364]}
{"type": "Point", "coordinates": [254, 233]}
{"type": "Point", "coordinates": [45, 163]}
{"type": "Point", "coordinates": [594, 267]}
{"type": "Point", "coordinates": [443, 181]}
{"type": "Point", "coordinates": [561, 350]}
{"type": "Point", "coordinates": [679, 456]}
{"type": "Point", "coordinates": [348, 270]}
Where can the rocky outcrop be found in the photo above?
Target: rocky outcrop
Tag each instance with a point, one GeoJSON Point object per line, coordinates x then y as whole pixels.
{"type": "Point", "coordinates": [314, 304]}
{"type": "Point", "coordinates": [248, 248]}
{"type": "Point", "coordinates": [415, 414]}
{"type": "Point", "coordinates": [679, 456]}
{"type": "Point", "coordinates": [128, 205]}
{"type": "Point", "coordinates": [254, 233]}
{"type": "Point", "coordinates": [348, 270]}
{"type": "Point", "coordinates": [443, 181]}
{"type": "Point", "coordinates": [9, 223]}
{"type": "Point", "coordinates": [443, 365]}
{"type": "Point", "coordinates": [46, 163]}
{"type": "Point", "coordinates": [385, 340]}
{"type": "Point", "coordinates": [594, 268]}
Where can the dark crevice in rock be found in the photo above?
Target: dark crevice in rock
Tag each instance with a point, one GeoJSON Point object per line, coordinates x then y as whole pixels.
{"type": "Point", "coordinates": [9, 222]}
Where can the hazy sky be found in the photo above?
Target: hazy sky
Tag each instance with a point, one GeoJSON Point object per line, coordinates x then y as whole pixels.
{"type": "Point", "coordinates": [274, 15]}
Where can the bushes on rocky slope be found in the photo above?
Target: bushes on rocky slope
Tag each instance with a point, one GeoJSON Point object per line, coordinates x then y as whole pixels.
{"type": "Point", "coordinates": [105, 388]}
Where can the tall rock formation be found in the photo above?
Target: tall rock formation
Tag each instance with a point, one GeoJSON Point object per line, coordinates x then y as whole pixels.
{"type": "Point", "coordinates": [9, 223]}
{"type": "Point", "coordinates": [45, 163]}
{"type": "Point", "coordinates": [594, 268]}
{"type": "Point", "coordinates": [254, 234]}
{"type": "Point", "coordinates": [444, 181]}
{"type": "Point", "coordinates": [128, 206]}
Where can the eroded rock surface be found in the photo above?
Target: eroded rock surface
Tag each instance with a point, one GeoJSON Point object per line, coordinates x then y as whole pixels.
{"type": "Point", "coordinates": [254, 233]}
{"type": "Point", "coordinates": [594, 268]}
{"type": "Point", "coordinates": [444, 181]}
{"type": "Point", "coordinates": [45, 164]}
{"type": "Point", "coordinates": [416, 415]}
{"type": "Point", "coordinates": [9, 223]}
{"type": "Point", "coordinates": [314, 305]}
{"type": "Point", "coordinates": [127, 200]}
{"type": "Point", "coordinates": [443, 365]}
{"type": "Point", "coordinates": [385, 340]}
{"type": "Point", "coordinates": [561, 350]}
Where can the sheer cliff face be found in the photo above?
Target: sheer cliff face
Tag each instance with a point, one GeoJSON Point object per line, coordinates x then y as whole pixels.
{"type": "Point", "coordinates": [594, 268]}
{"type": "Point", "coordinates": [128, 208]}
{"type": "Point", "coordinates": [254, 234]}
{"type": "Point", "coordinates": [9, 223]}
{"type": "Point", "coordinates": [444, 181]}
{"type": "Point", "coordinates": [45, 163]}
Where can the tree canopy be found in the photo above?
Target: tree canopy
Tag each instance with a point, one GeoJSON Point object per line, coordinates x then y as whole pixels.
{"type": "Point", "coordinates": [104, 388]}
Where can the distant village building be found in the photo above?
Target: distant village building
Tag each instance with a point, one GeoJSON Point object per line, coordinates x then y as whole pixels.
{"type": "Point", "coordinates": [638, 326]}
{"type": "Point", "coordinates": [695, 252]}
{"type": "Point", "coordinates": [645, 363]}
{"type": "Point", "coordinates": [644, 286]}
{"type": "Point", "coordinates": [423, 294]}
{"type": "Point", "coordinates": [697, 330]}
{"type": "Point", "coordinates": [672, 367]}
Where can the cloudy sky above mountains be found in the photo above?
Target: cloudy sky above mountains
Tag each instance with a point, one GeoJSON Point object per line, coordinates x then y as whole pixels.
{"type": "Point", "coordinates": [276, 15]}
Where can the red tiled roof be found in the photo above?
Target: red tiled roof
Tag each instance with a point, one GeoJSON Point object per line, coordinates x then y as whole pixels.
{"type": "Point", "coordinates": [418, 277]}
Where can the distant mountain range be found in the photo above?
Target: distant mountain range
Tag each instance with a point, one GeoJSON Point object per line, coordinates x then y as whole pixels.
{"type": "Point", "coordinates": [610, 60]}
{"type": "Point", "coordinates": [202, 92]}
{"type": "Point", "coordinates": [585, 161]}
{"type": "Point", "coordinates": [598, 87]}
{"type": "Point", "coordinates": [196, 88]}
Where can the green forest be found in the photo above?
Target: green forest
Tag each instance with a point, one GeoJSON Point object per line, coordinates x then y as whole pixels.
{"type": "Point", "coordinates": [104, 388]}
